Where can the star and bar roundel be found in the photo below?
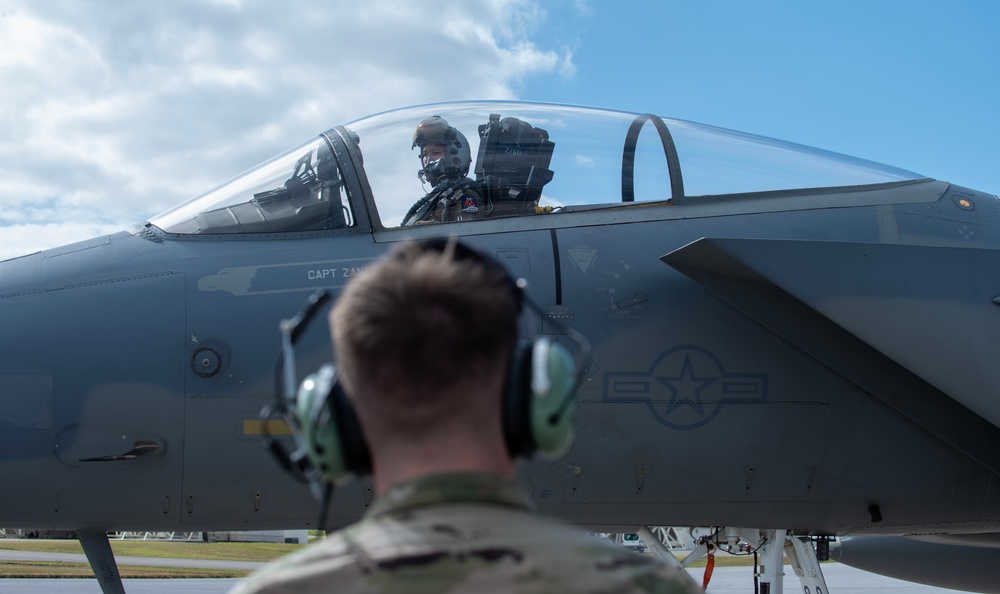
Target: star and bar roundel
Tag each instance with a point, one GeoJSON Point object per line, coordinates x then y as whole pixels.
{"type": "Point", "coordinates": [685, 387]}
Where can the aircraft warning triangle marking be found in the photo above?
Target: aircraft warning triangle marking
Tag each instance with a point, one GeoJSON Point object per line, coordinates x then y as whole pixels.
{"type": "Point", "coordinates": [582, 257]}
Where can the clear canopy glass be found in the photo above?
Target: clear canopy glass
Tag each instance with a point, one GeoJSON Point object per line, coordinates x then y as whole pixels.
{"type": "Point", "coordinates": [299, 190]}
{"type": "Point", "coordinates": [599, 157]}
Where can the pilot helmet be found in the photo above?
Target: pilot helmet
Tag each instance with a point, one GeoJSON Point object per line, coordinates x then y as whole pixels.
{"type": "Point", "coordinates": [458, 159]}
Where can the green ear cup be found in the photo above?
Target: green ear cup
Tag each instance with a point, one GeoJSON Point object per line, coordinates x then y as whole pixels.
{"type": "Point", "coordinates": [318, 428]}
{"type": "Point", "coordinates": [553, 402]}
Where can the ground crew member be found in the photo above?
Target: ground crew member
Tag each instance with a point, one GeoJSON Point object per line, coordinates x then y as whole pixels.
{"type": "Point", "coordinates": [425, 340]}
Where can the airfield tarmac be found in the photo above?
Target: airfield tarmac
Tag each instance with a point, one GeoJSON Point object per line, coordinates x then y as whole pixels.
{"type": "Point", "coordinates": [841, 579]}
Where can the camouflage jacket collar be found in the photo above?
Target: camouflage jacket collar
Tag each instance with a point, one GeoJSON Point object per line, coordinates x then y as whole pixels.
{"type": "Point", "coordinates": [447, 488]}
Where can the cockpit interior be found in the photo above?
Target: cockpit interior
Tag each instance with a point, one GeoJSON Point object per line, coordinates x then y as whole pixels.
{"type": "Point", "coordinates": [575, 159]}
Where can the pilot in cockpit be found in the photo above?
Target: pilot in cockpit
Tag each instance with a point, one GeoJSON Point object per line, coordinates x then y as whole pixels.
{"type": "Point", "coordinates": [445, 159]}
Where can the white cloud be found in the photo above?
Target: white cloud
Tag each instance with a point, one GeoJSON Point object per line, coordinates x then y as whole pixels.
{"type": "Point", "coordinates": [583, 8]}
{"type": "Point", "coordinates": [18, 240]}
{"type": "Point", "coordinates": [567, 69]}
{"type": "Point", "coordinates": [113, 112]}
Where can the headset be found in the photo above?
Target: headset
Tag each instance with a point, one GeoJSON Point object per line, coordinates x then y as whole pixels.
{"type": "Point", "coordinates": [538, 405]}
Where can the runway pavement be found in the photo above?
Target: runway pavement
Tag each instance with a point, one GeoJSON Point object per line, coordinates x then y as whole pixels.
{"type": "Point", "coordinates": [840, 579]}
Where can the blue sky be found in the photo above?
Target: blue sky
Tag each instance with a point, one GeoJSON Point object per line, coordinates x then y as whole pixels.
{"type": "Point", "coordinates": [110, 112]}
{"type": "Point", "coordinates": [908, 83]}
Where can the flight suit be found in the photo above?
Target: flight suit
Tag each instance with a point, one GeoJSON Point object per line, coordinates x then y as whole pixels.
{"type": "Point", "coordinates": [450, 201]}
{"type": "Point", "coordinates": [463, 532]}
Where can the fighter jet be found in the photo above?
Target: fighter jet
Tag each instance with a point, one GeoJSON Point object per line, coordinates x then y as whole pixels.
{"type": "Point", "coordinates": [788, 343]}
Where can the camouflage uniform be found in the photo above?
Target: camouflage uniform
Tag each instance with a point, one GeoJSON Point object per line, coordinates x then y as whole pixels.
{"type": "Point", "coordinates": [463, 532]}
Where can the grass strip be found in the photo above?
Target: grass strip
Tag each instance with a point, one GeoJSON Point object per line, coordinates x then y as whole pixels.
{"type": "Point", "coordinates": [55, 569]}
{"type": "Point", "coordinates": [261, 552]}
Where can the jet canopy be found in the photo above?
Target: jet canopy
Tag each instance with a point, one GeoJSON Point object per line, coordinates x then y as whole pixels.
{"type": "Point", "coordinates": [526, 157]}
